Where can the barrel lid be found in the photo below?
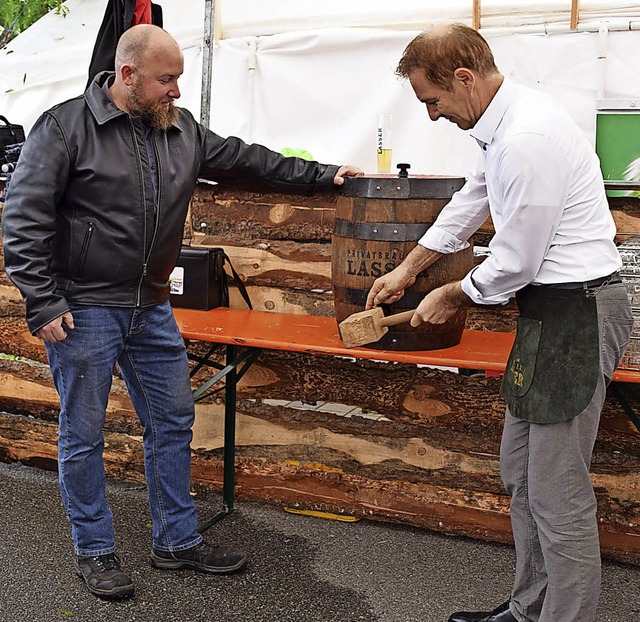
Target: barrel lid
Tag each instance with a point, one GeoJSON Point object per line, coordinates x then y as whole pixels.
{"type": "Point", "coordinates": [393, 187]}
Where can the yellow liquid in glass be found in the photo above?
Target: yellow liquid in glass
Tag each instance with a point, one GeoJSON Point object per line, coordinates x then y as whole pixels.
{"type": "Point", "coordinates": [384, 160]}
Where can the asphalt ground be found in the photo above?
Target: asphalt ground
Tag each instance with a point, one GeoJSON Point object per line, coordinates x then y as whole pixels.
{"type": "Point", "coordinates": [301, 569]}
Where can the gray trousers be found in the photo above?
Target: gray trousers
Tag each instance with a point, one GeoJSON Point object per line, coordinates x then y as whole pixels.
{"type": "Point", "coordinates": [545, 469]}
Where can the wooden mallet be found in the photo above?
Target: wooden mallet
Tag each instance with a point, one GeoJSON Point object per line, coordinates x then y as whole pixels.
{"type": "Point", "coordinates": [369, 326]}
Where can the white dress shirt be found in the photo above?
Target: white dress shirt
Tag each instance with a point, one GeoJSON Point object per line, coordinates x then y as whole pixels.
{"type": "Point", "coordinates": [540, 181]}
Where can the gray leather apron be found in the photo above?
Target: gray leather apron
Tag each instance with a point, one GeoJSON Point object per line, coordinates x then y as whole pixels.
{"type": "Point", "coordinates": [554, 364]}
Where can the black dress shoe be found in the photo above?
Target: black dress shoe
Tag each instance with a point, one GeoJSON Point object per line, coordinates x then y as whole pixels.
{"type": "Point", "coordinates": [104, 577]}
{"type": "Point", "coordinates": [500, 614]}
{"type": "Point", "coordinates": [202, 557]}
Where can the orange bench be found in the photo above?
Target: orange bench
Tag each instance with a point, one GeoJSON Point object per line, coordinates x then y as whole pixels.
{"type": "Point", "coordinates": [254, 331]}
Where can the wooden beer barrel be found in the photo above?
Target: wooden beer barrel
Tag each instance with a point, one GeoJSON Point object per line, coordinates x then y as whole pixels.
{"type": "Point", "coordinates": [378, 221]}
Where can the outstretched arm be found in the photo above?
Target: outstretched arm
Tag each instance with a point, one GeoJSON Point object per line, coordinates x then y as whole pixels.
{"type": "Point", "coordinates": [346, 171]}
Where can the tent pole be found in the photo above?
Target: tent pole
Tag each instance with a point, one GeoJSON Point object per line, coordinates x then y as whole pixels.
{"type": "Point", "coordinates": [477, 12]}
{"type": "Point", "coordinates": [575, 13]}
{"type": "Point", "coordinates": [602, 60]}
{"type": "Point", "coordinates": [207, 61]}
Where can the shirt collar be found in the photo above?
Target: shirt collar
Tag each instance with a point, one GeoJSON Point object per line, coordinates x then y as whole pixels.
{"type": "Point", "coordinates": [487, 125]}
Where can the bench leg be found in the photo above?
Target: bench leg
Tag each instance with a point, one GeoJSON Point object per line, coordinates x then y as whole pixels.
{"type": "Point", "coordinates": [229, 454]}
{"type": "Point", "coordinates": [231, 376]}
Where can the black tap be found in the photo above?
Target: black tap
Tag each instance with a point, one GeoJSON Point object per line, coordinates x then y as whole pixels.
{"type": "Point", "coordinates": [404, 168]}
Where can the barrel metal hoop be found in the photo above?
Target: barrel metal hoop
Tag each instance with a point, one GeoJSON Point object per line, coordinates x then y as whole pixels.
{"type": "Point", "coordinates": [381, 231]}
{"type": "Point", "coordinates": [358, 297]}
{"type": "Point", "coordinates": [401, 188]}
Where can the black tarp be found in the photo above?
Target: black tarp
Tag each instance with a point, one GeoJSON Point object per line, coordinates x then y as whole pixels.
{"type": "Point", "coordinates": [118, 17]}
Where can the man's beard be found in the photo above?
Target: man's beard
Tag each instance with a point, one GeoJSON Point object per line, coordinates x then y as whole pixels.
{"type": "Point", "coordinates": [151, 114]}
{"type": "Point", "coordinates": [160, 118]}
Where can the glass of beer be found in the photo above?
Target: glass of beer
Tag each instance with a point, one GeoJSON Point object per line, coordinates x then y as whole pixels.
{"type": "Point", "coordinates": [385, 123]}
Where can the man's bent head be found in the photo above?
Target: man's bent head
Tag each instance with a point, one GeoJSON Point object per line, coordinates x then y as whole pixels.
{"type": "Point", "coordinates": [148, 64]}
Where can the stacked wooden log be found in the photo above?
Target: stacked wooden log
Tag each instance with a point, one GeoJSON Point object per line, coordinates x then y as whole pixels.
{"type": "Point", "coordinates": [377, 440]}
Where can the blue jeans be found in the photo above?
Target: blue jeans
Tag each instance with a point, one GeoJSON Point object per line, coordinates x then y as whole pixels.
{"type": "Point", "coordinates": [147, 347]}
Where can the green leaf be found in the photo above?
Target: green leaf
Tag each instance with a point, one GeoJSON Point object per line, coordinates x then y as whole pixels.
{"type": "Point", "coordinates": [17, 15]}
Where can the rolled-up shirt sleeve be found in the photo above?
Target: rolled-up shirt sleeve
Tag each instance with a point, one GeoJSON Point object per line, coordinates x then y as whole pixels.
{"type": "Point", "coordinates": [460, 218]}
{"type": "Point", "coordinates": [532, 181]}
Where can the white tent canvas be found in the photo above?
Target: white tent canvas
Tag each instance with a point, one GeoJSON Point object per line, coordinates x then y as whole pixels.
{"type": "Point", "coordinates": [315, 76]}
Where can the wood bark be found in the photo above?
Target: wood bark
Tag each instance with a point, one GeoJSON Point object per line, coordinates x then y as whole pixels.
{"type": "Point", "coordinates": [421, 446]}
{"type": "Point", "coordinates": [428, 460]}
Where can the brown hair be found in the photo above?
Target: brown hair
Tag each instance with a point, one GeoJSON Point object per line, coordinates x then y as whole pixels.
{"type": "Point", "coordinates": [439, 52]}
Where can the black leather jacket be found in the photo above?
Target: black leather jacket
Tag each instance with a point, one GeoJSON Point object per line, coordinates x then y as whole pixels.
{"type": "Point", "coordinates": [80, 224]}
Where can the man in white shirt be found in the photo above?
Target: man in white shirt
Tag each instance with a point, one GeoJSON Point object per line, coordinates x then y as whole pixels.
{"type": "Point", "coordinates": [539, 179]}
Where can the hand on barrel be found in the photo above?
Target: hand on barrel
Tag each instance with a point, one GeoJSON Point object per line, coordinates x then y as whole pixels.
{"type": "Point", "coordinates": [437, 307]}
{"type": "Point", "coordinates": [389, 287]}
{"type": "Point", "coordinates": [346, 171]}
{"type": "Point", "coordinates": [440, 305]}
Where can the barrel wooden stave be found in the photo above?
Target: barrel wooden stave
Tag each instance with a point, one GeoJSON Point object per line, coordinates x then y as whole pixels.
{"type": "Point", "coordinates": [364, 248]}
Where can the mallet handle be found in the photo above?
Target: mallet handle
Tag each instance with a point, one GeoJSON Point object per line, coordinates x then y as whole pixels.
{"type": "Point", "coordinates": [398, 318]}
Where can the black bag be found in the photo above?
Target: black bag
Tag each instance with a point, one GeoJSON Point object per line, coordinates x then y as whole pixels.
{"type": "Point", "coordinates": [200, 281]}
{"type": "Point", "coordinates": [10, 134]}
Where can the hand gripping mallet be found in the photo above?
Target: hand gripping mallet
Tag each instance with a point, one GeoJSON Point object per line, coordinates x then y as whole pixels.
{"type": "Point", "coordinates": [369, 326]}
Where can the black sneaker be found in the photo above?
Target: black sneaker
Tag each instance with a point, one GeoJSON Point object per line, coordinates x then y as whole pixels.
{"type": "Point", "coordinates": [202, 557]}
{"type": "Point", "coordinates": [104, 577]}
